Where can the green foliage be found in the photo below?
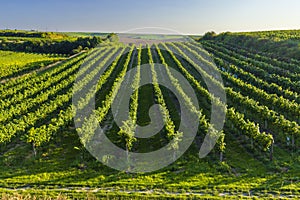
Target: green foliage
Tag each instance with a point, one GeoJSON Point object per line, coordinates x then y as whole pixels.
{"type": "Point", "coordinates": [15, 63]}
{"type": "Point", "coordinates": [39, 42]}
{"type": "Point", "coordinates": [282, 45]}
{"type": "Point", "coordinates": [272, 114]}
{"type": "Point", "coordinates": [113, 37]}
{"type": "Point", "coordinates": [31, 34]}
{"type": "Point", "coordinates": [209, 35]}
{"type": "Point", "coordinates": [127, 133]}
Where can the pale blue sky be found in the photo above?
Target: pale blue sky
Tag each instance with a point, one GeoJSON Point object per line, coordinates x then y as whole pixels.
{"type": "Point", "coordinates": [184, 16]}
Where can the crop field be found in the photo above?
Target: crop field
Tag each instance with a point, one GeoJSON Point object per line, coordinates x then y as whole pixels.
{"type": "Point", "coordinates": [257, 154]}
{"type": "Point", "coordinates": [17, 63]}
{"type": "Point", "coordinates": [149, 100]}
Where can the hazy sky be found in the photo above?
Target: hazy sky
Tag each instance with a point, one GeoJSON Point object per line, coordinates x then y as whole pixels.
{"type": "Point", "coordinates": [184, 16]}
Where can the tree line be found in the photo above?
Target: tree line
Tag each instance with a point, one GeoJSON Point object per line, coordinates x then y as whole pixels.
{"type": "Point", "coordinates": [49, 46]}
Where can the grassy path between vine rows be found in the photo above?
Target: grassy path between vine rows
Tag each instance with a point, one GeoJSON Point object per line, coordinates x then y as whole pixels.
{"type": "Point", "coordinates": [70, 192]}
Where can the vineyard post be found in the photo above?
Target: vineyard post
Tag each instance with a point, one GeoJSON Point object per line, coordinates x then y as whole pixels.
{"type": "Point", "coordinates": [34, 149]}
{"type": "Point", "coordinates": [221, 156]}
{"type": "Point", "coordinates": [272, 151]}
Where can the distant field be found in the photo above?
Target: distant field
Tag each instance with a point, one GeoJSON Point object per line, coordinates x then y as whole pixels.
{"type": "Point", "coordinates": [15, 63]}
{"type": "Point", "coordinates": [153, 36]}
{"type": "Point", "coordinates": [150, 39]}
{"type": "Point", "coordinates": [85, 34]}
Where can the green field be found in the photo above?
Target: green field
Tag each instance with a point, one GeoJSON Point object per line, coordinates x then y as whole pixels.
{"type": "Point", "coordinates": [15, 63]}
{"type": "Point", "coordinates": [257, 157]}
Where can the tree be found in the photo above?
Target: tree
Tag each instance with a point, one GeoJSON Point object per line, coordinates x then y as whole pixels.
{"type": "Point", "coordinates": [113, 37]}
{"type": "Point", "coordinates": [209, 35]}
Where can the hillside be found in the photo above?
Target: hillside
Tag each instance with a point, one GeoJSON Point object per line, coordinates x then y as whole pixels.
{"type": "Point", "coordinates": [43, 146]}
{"type": "Point", "coordinates": [282, 45]}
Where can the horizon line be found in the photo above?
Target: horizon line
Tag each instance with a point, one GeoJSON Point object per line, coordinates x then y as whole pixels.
{"type": "Point", "coordinates": [153, 33]}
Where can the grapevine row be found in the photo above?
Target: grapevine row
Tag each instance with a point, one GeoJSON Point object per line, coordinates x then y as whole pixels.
{"type": "Point", "coordinates": [293, 68]}
{"type": "Point", "coordinates": [266, 66]}
{"type": "Point", "coordinates": [19, 85]}
{"type": "Point", "coordinates": [249, 74]}
{"type": "Point", "coordinates": [24, 122]}
{"type": "Point", "coordinates": [42, 134]}
{"type": "Point", "coordinates": [34, 92]}
{"type": "Point", "coordinates": [280, 124]}
{"type": "Point", "coordinates": [169, 124]}
{"type": "Point", "coordinates": [204, 124]}
{"type": "Point", "coordinates": [87, 125]}
{"type": "Point", "coordinates": [290, 109]}
{"type": "Point", "coordinates": [247, 128]}
{"type": "Point", "coordinates": [265, 74]}
{"type": "Point", "coordinates": [257, 82]}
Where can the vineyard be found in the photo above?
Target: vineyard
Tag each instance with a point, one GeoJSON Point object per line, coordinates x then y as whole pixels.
{"type": "Point", "coordinates": [278, 45]}
{"type": "Point", "coordinates": [14, 63]}
{"type": "Point", "coordinates": [262, 119]}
